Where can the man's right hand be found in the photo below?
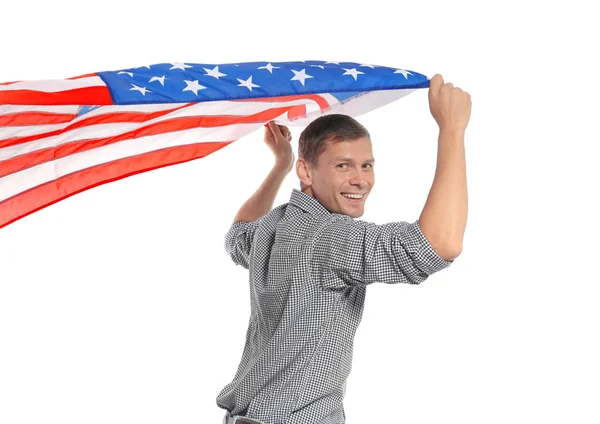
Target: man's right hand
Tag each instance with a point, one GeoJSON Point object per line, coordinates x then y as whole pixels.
{"type": "Point", "coordinates": [449, 105]}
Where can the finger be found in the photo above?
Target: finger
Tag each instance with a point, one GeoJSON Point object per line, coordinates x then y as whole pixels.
{"type": "Point", "coordinates": [435, 84]}
{"type": "Point", "coordinates": [436, 81]}
{"type": "Point", "coordinates": [285, 131]}
{"type": "Point", "coordinates": [275, 128]}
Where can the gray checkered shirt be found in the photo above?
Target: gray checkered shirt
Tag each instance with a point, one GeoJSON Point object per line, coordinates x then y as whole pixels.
{"type": "Point", "coordinates": [309, 269]}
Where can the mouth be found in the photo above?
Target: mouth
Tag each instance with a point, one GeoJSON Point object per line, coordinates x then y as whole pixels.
{"type": "Point", "coordinates": [354, 197]}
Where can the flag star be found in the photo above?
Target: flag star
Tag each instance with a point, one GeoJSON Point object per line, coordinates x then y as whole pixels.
{"type": "Point", "coordinates": [370, 66]}
{"type": "Point", "coordinates": [318, 66]}
{"type": "Point", "coordinates": [335, 63]}
{"type": "Point", "coordinates": [352, 72]}
{"type": "Point", "coordinates": [143, 66]}
{"type": "Point", "coordinates": [300, 76]}
{"type": "Point", "coordinates": [142, 90]}
{"type": "Point", "coordinates": [179, 65]}
{"type": "Point", "coordinates": [403, 72]}
{"type": "Point", "coordinates": [248, 83]}
{"type": "Point", "coordinates": [159, 79]}
{"type": "Point", "coordinates": [214, 72]}
{"type": "Point", "coordinates": [269, 67]}
{"type": "Point", "coordinates": [193, 86]}
{"type": "Point", "coordinates": [128, 73]}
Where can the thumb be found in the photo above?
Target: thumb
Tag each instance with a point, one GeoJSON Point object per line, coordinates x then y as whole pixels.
{"type": "Point", "coordinates": [435, 83]}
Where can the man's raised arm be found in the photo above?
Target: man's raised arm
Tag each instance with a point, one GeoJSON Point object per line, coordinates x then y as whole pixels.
{"type": "Point", "coordinates": [444, 217]}
{"type": "Point", "coordinates": [278, 139]}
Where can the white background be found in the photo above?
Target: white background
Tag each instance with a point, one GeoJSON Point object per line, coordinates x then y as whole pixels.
{"type": "Point", "coordinates": [120, 305]}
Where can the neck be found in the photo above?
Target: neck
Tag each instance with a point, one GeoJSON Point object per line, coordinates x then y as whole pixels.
{"type": "Point", "coordinates": [308, 190]}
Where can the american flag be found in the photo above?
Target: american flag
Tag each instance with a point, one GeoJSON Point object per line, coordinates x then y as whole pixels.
{"type": "Point", "coordinates": [61, 137]}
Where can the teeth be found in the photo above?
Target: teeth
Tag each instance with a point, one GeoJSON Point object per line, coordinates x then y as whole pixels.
{"type": "Point", "coordinates": [353, 196]}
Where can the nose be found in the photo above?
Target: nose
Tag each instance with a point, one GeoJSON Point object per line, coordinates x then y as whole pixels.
{"type": "Point", "coordinates": [359, 178]}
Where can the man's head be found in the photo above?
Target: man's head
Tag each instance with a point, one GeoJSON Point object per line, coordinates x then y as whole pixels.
{"type": "Point", "coordinates": [335, 157]}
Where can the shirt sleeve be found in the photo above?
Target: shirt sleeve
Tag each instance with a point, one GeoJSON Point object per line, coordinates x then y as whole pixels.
{"type": "Point", "coordinates": [362, 253]}
{"type": "Point", "coordinates": [238, 241]}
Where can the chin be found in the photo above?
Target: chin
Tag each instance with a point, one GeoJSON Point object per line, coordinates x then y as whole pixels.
{"type": "Point", "coordinates": [355, 214]}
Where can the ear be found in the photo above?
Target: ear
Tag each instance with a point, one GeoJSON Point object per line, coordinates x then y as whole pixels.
{"type": "Point", "coordinates": [303, 172]}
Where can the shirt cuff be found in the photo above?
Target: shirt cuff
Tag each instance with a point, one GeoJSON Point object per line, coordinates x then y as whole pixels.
{"type": "Point", "coordinates": [424, 255]}
{"type": "Point", "coordinates": [234, 230]}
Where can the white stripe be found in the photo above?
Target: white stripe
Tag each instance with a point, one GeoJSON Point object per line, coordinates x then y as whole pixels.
{"type": "Point", "coordinates": [78, 134]}
{"type": "Point", "coordinates": [331, 99]}
{"type": "Point", "coordinates": [52, 86]}
{"type": "Point", "coordinates": [13, 109]}
{"type": "Point", "coordinates": [25, 131]}
{"type": "Point", "coordinates": [18, 182]}
{"type": "Point", "coordinates": [111, 129]}
{"type": "Point", "coordinates": [354, 106]}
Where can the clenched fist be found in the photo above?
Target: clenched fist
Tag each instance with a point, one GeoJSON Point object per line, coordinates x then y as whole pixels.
{"type": "Point", "coordinates": [449, 105]}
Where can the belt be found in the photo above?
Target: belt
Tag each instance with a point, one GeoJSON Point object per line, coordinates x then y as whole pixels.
{"type": "Point", "coordinates": [239, 419]}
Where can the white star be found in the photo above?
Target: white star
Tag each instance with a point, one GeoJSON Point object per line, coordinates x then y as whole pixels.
{"type": "Point", "coordinates": [193, 86]}
{"type": "Point", "coordinates": [160, 79]}
{"type": "Point", "coordinates": [269, 67]}
{"type": "Point", "coordinates": [248, 83]}
{"type": "Point", "coordinates": [179, 65]}
{"type": "Point", "coordinates": [370, 66]}
{"type": "Point", "coordinates": [214, 72]}
{"type": "Point", "coordinates": [128, 73]}
{"type": "Point", "coordinates": [352, 72]}
{"type": "Point", "coordinates": [300, 76]}
{"type": "Point", "coordinates": [142, 90]}
{"type": "Point", "coordinates": [403, 72]}
{"type": "Point", "coordinates": [318, 66]}
{"type": "Point", "coordinates": [335, 63]}
{"type": "Point", "coordinates": [143, 66]}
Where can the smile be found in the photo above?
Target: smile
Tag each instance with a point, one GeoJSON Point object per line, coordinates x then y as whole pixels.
{"type": "Point", "coordinates": [353, 196]}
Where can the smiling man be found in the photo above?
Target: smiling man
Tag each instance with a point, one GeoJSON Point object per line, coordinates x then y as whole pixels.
{"type": "Point", "coordinates": [336, 164]}
{"type": "Point", "coordinates": [310, 260]}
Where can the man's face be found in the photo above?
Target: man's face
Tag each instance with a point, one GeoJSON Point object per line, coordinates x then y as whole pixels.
{"type": "Point", "coordinates": [345, 167]}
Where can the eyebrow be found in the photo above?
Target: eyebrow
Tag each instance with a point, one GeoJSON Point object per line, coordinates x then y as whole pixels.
{"type": "Point", "coordinates": [338, 158]}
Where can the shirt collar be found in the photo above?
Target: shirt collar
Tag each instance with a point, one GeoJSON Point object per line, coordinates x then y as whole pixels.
{"type": "Point", "coordinates": [308, 203]}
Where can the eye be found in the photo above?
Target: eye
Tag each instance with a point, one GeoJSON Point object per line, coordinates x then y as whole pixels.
{"type": "Point", "coordinates": [342, 164]}
{"type": "Point", "coordinates": [370, 166]}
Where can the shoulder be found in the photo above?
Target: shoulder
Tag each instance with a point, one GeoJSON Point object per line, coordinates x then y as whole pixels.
{"type": "Point", "coordinates": [345, 228]}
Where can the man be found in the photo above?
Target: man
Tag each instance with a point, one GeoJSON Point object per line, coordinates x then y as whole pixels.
{"type": "Point", "coordinates": [310, 260]}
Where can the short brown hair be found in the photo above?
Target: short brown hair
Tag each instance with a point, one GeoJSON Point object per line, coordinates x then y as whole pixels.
{"type": "Point", "coordinates": [328, 128]}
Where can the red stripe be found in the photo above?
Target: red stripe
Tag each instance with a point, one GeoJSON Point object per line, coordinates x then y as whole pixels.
{"type": "Point", "coordinates": [34, 118]}
{"type": "Point", "coordinates": [107, 118]}
{"type": "Point", "coordinates": [98, 95]}
{"type": "Point", "coordinates": [83, 76]}
{"type": "Point", "coordinates": [46, 194]}
{"type": "Point", "coordinates": [37, 157]}
{"type": "Point", "coordinates": [8, 83]}
{"type": "Point", "coordinates": [296, 111]}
